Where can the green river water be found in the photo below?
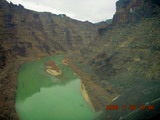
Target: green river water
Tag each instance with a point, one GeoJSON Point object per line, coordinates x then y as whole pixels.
{"type": "Point", "coordinates": [41, 96]}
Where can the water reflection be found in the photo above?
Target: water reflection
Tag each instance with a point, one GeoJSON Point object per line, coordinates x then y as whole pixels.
{"type": "Point", "coordinates": [41, 96]}
{"type": "Point", "coordinates": [32, 77]}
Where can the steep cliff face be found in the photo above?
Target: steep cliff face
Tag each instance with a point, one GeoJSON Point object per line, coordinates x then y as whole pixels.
{"type": "Point", "coordinates": [125, 57]}
{"type": "Point", "coordinates": [30, 33]}
{"type": "Point", "coordinates": [126, 53]}
{"type": "Point", "coordinates": [135, 10]}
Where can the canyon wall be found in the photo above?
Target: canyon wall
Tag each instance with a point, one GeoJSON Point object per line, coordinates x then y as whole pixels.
{"type": "Point", "coordinates": [126, 52]}
{"type": "Point", "coordinates": [124, 56]}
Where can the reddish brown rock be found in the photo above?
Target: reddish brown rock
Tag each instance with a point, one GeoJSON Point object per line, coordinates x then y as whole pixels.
{"type": "Point", "coordinates": [134, 10]}
{"type": "Point", "coordinates": [52, 65]}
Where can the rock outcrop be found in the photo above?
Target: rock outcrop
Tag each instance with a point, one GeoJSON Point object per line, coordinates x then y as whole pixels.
{"type": "Point", "coordinates": [52, 68]}
{"type": "Point", "coordinates": [135, 10]}
{"type": "Point", "coordinates": [123, 52]}
{"type": "Point", "coordinates": [65, 61]}
{"type": "Point", "coordinates": [30, 33]}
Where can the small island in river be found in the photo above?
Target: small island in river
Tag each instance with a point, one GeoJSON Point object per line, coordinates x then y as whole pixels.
{"type": "Point", "coordinates": [52, 68]}
{"type": "Point", "coordinates": [65, 61]}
